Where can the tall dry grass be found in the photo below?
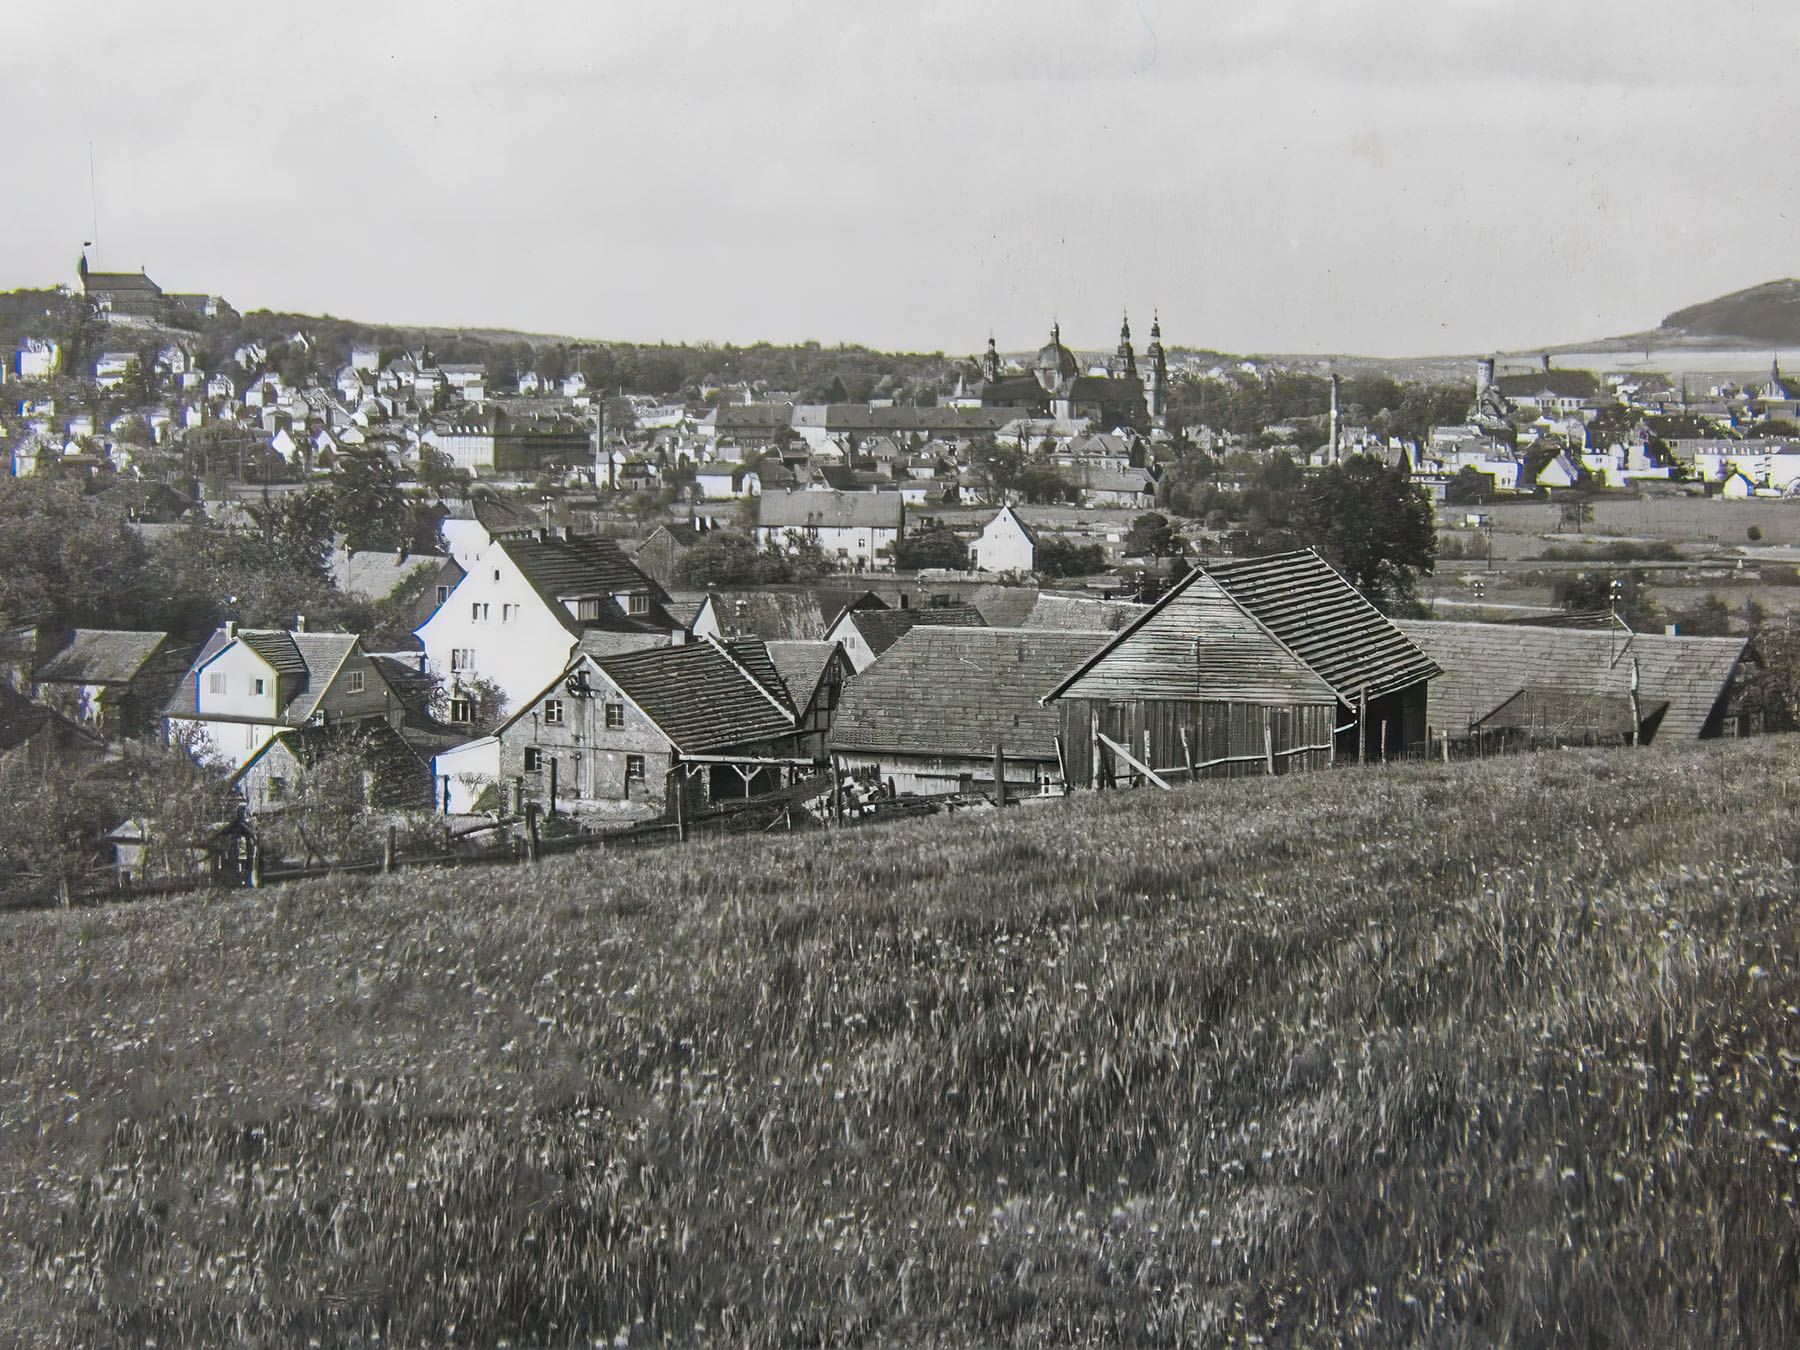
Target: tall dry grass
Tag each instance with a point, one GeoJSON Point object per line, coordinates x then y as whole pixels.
{"type": "Point", "coordinates": [1497, 1053]}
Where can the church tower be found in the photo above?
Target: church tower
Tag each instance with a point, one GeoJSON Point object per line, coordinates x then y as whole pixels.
{"type": "Point", "coordinates": [1156, 389]}
{"type": "Point", "coordinates": [990, 362]}
{"type": "Point", "coordinates": [1124, 362]}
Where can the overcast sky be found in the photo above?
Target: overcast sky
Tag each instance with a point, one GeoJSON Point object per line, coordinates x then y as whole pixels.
{"type": "Point", "coordinates": [1374, 176]}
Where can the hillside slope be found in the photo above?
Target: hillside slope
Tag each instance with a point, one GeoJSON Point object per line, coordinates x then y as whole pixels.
{"type": "Point", "coordinates": [1768, 314]}
{"type": "Point", "coordinates": [1488, 1053]}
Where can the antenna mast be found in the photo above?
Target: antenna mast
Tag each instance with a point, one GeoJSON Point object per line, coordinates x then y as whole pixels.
{"type": "Point", "coordinates": [94, 201]}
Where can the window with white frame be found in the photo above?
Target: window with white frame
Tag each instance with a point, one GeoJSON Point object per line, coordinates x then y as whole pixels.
{"type": "Point", "coordinates": [478, 612]}
{"type": "Point", "coordinates": [462, 658]}
{"type": "Point", "coordinates": [461, 710]}
{"type": "Point", "coordinates": [615, 716]}
{"type": "Point", "coordinates": [443, 594]}
{"type": "Point", "coordinates": [353, 682]}
{"type": "Point", "coordinates": [634, 768]}
{"type": "Point", "coordinates": [553, 712]}
{"type": "Point", "coordinates": [508, 613]}
{"type": "Point", "coordinates": [215, 682]}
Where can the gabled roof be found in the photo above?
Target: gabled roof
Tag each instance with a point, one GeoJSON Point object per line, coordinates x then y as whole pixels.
{"type": "Point", "coordinates": [400, 778]}
{"type": "Point", "coordinates": [801, 666]}
{"type": "Point", "coordinates": [1325, 621]}
{"type": "Point", "coordinates": [961, 691]}
{"type": "Point", "coordinates": [100, 656]}
{"type": "Point", "coordinates": [1486, 665]}
{"type": "Point", "coordinates": [791, 615]}
{"type": "Point", "coordinates": [277, 648]}
{"type": "Point", "coordinates": [1018, 520]}
{"type": "Point", "coordinates": [704, 696]}
{"type": "Point", "coordinates": [882, 628]}
{"type": "Point", "coordinates": [118, 281]}
{"type": "Point", "coordinates": [320, 656]}
{"type": "Point", "coordinates": [375, 575]}
{"type": "Point", "coordinates": [21, 718]}
{"type": "Point", "coordinates": [1298, 629]}
{"type": "Point", "coordinates": [592, 567]}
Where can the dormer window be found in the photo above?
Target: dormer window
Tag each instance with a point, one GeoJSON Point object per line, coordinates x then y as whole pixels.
{"type": "Point", "coordinates": [586, 609]}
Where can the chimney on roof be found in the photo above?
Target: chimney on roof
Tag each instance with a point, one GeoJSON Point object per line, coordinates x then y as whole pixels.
{"type": "Point", "coordinates": [299, 623]}
{"type": "Point", "coordinates": [230, 629]}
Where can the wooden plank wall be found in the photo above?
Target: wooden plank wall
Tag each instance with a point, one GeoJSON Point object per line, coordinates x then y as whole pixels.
{"type": "Point", "coordinates": [1216, 730]}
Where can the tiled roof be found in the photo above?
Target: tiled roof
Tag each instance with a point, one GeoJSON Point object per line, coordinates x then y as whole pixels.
{"type": "Point", "coordinates": [373, 575]}
{"type": "Point", "coordinates": [1325, 621]}
{"type": "Point", "coordinates": [702, 698]}
{"type": "Point", "coordinates": [882, 628]}
{"type": "Point", "coordinates": [20, 718]}
{"type": "Point", "coordinates": [831, 510]}
{"type": "Point", "coordinates": [588, 566]}
{"type": "Point", "coordinates": [791, 615]}
{"type": "Point", "coordinates": [118, 281]}
{"type": "Point", "coordinates": [961, 691]}
{"type": "Point", "coordinates": [1073, 613]}
{"type": "Point", "coordinates": [1485, 665]}
{"type": "Point", "coordinates": [100, 656]}
{"type": "Point", "coordinates": [800, 665]}
{"type": "Point", "coordinates": [319, 655]}
{"type": "Point", "coordinates": [277, 648]}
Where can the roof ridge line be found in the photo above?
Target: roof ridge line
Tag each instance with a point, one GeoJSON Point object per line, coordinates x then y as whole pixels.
{"type": "Point", "coordinates": [793, 719]}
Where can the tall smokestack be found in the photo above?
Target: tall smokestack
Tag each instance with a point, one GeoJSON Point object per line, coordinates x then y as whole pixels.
{"type": "Point", "coordinates": [1484, 375]}
{"type": "Point", "coordinates": [1335, 420]}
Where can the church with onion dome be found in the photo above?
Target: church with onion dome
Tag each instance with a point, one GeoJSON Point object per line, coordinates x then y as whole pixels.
{"type": "Point", "coordinates": [1054, 384]}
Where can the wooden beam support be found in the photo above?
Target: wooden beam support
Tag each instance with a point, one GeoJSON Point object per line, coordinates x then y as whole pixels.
{"type": "Point", "coordinates": [1135, 762]}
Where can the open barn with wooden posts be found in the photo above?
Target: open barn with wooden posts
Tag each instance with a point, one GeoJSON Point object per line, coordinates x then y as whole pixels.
{"type": "Point", "coordinates": [1258, 665]}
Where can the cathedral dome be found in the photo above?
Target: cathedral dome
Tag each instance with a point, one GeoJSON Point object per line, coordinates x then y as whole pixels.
{"type": "Point", "coordinates": [1055, 360]}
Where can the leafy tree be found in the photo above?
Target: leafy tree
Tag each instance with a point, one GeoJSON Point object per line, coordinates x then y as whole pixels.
{"type": "Point", "coordinates": [486, 703]}
{"type": "Point", "coordinates": [1613, 425]}
{"type": "Point", "coordinates": [67, 559]}
{"type": "Point", "coordinates": [1711, 617]}
{"type": "Point", "coordinates": [937, 548]}
{"type": "Point", "coordinates": [1153, 536]}
{"type": "Point", "coordinates": [1374, 524]}
{"type": "Point", "coordinates": [1470, 487]}
{"type": "Point", "coordinates": [1045, 484]}
{"type": "Point", "coordinates": [1592, 592]}
{"type": "Point", "coordinates": [1058, 556]}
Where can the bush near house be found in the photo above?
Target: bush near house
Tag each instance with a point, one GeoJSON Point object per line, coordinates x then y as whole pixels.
{"type": "Point", "coordinates": [1497, 1052]}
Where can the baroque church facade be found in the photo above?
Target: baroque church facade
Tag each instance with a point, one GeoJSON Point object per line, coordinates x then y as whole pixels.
{"type": "Point", "coordinates": [1055, 386]}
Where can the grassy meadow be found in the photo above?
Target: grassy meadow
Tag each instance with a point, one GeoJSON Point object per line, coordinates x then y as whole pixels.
{"type": "Point", "coordinates": [1493, 1053]}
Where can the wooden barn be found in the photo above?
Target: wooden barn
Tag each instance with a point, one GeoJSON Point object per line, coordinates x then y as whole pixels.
{"type": "Point", "coordinates": [1255, 665]}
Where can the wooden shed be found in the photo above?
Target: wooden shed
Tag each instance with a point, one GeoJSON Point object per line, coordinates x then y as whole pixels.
{"type": "Point", "coordinates": [1258, 665]}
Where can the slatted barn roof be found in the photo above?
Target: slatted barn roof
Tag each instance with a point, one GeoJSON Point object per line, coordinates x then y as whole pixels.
{"type": "Point", "coordinates": [1281, 629]}
{"type": "Point", "coordinates": [1325, 621]}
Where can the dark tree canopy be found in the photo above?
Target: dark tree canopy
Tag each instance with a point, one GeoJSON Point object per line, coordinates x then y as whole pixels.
{"type": "Point", "coordinates": [936, 548]}
{"type": "Point", "coordinates": [1374, 525]}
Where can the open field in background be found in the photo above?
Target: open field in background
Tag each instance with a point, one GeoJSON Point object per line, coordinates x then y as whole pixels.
{"type": "Point", "coordinates": [1495, 1053]}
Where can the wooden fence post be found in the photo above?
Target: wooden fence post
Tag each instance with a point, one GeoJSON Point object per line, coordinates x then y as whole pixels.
{"type": "Point", "coordinates": [387, 853]}
{"type": "Point", "coordinates": [1268, 745]}
{"type": "Point", "coordinates": [680, 805]}
{"type": "Point", "coordinates": [1095, 742]}
{"type": "Point", "coordinates": [553, 784]}
{"type": "Point", "coordinates": [1362, 725]}
{"type": "Point", "coordinates": [1187, 752]}
{"type": "Point", "coordinates": [999, 774]}
{"type": "Point", "coordinates": [531, 830]}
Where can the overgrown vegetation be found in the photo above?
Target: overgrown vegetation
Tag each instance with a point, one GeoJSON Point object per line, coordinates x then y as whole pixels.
{"type": "Point", "coordinates": [1498, 1053]}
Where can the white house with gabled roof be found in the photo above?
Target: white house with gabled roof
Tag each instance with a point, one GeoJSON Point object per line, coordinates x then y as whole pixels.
{"type": "Point", "coordinates": [1007, 544]}
{"type": "Point", "coordinates": [247, 686]}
